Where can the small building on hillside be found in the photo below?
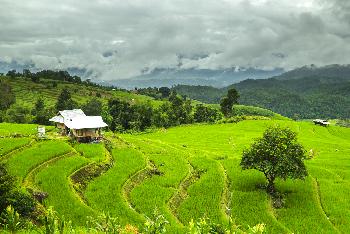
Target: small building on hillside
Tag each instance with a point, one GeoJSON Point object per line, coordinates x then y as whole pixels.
{"type": "Point", "coordinates": [64, 116]}
{"type": "Point", "coordinates": [86, 128]}
{"type": "Point", "coordinates": [321, 122]}
{"type": "Point", "coordinates": [79, 126]}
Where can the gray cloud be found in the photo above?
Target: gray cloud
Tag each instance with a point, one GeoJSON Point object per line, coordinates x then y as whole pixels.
{"type": "Point", "coordinates": [116, 39]}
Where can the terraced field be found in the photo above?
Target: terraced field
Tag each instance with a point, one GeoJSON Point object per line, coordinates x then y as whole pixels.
{"type": "Point", "coordinates": [189, 172]}
{"type": "Point", "coordinates": [26, 91]}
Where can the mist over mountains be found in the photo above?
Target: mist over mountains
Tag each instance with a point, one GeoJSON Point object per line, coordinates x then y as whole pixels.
{"type": "Point", "coordinates": [306, 92]}
{"type": "Point", "coordinates": [217, 78]}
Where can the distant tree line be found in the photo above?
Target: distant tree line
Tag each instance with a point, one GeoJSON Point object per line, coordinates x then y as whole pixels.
{"type": "Point", "coordinates": [176, 110]}
{"type": "Point", "coordinates": [301, 98]}
{"type": "Point", "coordinates": [45, 74]}
{"type": "Point", "coordinates": [157, 93]}
{"type": "Point", "coordinates": [56, 76]}
{"type": "Point", "coordinates": [120, 115]}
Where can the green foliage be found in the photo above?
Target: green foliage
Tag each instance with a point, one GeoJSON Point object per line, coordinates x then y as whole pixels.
{"type": "Point", "coordinates": [93, 107]}
{"type": "Point", "coordinates": [157, 224]}
{"type": "Point", "coordinates": [7, 96]}
{"type": "Point", "coordinates": [206, 94]}
{"type": "Point", "coordinates": [125, 116]}
{"type": "Point", "coordinates": [276, 154]}
{"type": "Point", "coordinates": [18, 114]}
{"type": "Point", "coordinates": [12, 196]}
{"type": "Point", "coordinates": [10, 220]}
{"type": "Point", "coordinates": [206, 114]}
{"type": "Point", "coordinates": [104, 223]}
{"type": "Point", "coordinates": [343, 123]}
{"type": "Point", "coordinates": [65, 101]}
{"type": "Point", "coordinates": [6, 186]}
{"type": "Point", "coordinates": [227, 102]}
{"type": "Point", "coordinates": [41, 115]}
{"type": "Point", "coordinates": [206, 225]}
{"type": "Point", "coordinates": [21, 201]}
{"type": "Point", "coordinates": [53, 224]}
{"type": "Point", "coordinates": [301, 97]}
{"type": "Point", "coordinates": [165, 91]}
{"type": "Point", "coordinates": [119, 111]}
{"type": "Point", "coordinates": [181, 110]}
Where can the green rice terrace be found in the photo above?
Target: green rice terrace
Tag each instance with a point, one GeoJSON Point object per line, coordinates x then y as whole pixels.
{"type": "Point", "coordinates": [186, 173]}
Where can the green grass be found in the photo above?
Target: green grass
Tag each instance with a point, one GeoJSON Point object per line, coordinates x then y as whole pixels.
{"type": "Point", "coordinates": [11, 129]}
{"type": "Point", "coordinates": [204, 196]}
{"type": "Point", "coordinates": [94, 152]}
{"type": "Point", "coordinates": [54, 180]}
{"type": "Point", "coordinates": [249, 205]}
{"type": "Point", "coordinates": [9, 144]}
{"type": "Point", "coordinates": [20, 164]}
{"type": "Point", "coordinates": [319, 204]}
{"type": "Point", "coordinates": [27, 92]}
{"type": "Point", "coordinates": [105, 193]}
{"type": "Point", "coordinates": [155, 192]}
{"type": "Point", "coordinates": [256, 111]}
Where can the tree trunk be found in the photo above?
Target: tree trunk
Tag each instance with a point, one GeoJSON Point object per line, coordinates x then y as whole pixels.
{"type": "Point", "coordinates": [271, 186]}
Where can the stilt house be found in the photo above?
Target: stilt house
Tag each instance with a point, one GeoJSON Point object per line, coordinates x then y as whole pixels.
{"type": "Point", "coordinates": [79, 126]}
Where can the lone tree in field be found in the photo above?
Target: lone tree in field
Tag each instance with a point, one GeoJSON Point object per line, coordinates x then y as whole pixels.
{"type": "Point", "coordinates": [227, 102]}
{"type": "Point", "coordinates": [276, 154]}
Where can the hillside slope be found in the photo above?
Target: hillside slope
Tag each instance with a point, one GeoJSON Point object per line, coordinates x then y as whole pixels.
{"type": "Point", "coordinates": [307, 92]}
{"type": "Point", "coordinates": [27, 92]}
{"type": "Point", "coordinates": [190, 172]}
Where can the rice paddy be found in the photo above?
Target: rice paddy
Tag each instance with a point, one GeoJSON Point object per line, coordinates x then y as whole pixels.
{"type": "Point", "coordinates": [193, 171]}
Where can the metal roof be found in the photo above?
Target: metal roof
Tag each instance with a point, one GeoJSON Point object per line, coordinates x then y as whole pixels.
{"type": "Point", "coordinates": [66, 115]}
{"type": "Point", "coordinates": [83, 122]}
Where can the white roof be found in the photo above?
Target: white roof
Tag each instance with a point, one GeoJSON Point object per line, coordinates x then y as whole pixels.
{"type": "Point", "coordinates": [70, 114]}
{"type": "Point", "coordinates": [81, 122]}
{"type": "Point", "coordinates": [57, 119]}
{"type": "Point", "coordinates": [66, 115]}
{"type": "Point", "coordinates": [321, 121]}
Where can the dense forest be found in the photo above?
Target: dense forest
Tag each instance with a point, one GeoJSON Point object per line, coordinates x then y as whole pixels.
{"type": "Point", "coordinates": [291, 94]}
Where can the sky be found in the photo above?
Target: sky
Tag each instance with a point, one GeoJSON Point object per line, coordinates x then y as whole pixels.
{"type": "Point", "coordinates": [117, 39]}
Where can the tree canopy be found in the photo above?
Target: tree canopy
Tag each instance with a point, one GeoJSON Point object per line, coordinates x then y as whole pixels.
{"type": "Point", "coordinates": [278, 155]}
{"type": "Point", "coordinates": [227, 102]}
{"type": "Point", "coordinates": [65, 101]}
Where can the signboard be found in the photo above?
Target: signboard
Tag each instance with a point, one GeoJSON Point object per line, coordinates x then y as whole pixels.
{"type": "Point", "coordinates": [41, 131]}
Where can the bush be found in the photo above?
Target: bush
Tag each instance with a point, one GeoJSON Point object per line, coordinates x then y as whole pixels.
{"type": "Point", "coordinates": [206, 114]}
{"type": "Point", "coordinates": [22, 202]}
{"type": "Point", "coordinates": [18, 114]}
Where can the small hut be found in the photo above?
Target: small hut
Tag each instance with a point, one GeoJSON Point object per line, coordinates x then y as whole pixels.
{"type": "Point", "coordinates": [64, 116]}
{"type": "Point", "coordinates": [321, 122]}
{"type": "Point", "coordinates": [86, 128]}
{"type": "Point", "coordinates": [79, 126]}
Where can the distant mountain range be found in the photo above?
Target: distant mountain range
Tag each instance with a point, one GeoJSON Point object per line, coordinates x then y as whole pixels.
{"type": "Point", "coordinates": [306, 92]}
{"type": "Point", "coordinates": [217, 78]}
{"type": "Point", "coordinates": [168, 77]}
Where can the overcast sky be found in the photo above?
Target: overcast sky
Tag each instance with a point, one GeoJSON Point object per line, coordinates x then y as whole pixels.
{"type": "Point", "coordinates": [118, 39]}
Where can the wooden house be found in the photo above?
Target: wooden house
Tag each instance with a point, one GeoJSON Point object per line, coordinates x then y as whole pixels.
{"type": "Point", "coordinates": [79, 126]}
{"type": "Point", "coordinates": [64, 116]}
{"type": "Point", "coordinates": [86, 128]}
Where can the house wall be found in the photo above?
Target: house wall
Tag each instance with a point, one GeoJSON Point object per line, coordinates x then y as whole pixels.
{"type": "Point", "coordinates": [93, 132]}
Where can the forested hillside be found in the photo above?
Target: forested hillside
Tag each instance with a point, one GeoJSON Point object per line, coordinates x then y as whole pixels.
{"type": "Point", "coordinates": [292, 94]}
